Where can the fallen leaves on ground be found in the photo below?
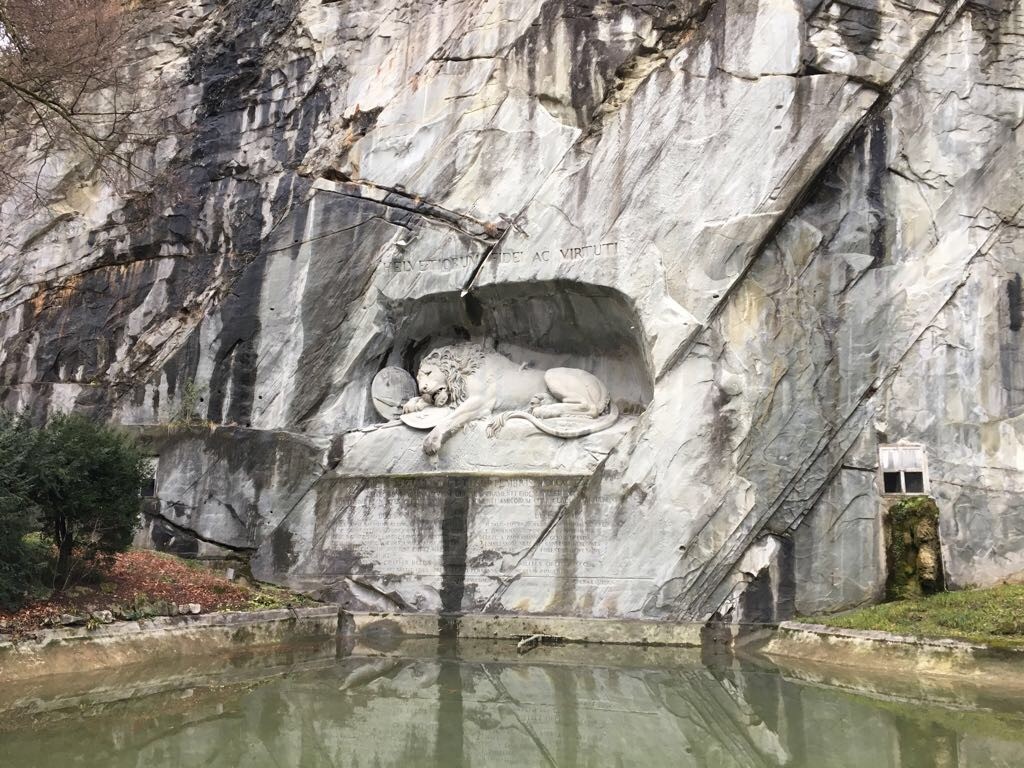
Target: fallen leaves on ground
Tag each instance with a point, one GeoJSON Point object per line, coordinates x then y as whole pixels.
{"type": "Point", "coordinates": [135, 577]}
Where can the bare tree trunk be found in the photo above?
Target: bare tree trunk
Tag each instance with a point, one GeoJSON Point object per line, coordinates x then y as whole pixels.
{"type": "Point", "coordinates": [65, 545]}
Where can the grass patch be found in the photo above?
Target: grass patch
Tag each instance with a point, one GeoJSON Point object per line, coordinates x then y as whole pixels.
{"type": "Point", "coordinates": [269, 597]}
{"type": "Point", "coordinates": [993, 616]}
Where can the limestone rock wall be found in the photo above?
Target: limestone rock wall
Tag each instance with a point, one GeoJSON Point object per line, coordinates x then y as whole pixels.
{"type": "Point", "coordinates": [781, 233]}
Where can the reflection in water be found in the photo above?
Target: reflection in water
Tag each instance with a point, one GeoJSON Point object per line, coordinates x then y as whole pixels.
{"type": "Point", "coordinates": [438, 710]}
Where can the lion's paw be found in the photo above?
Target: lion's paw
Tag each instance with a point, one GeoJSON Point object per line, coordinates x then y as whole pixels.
{"type": "Point", "coordinates": [415, 404]}
{"type": "Point", "coordinates": [432, 444]}
{"type": "Point", "coordinates": [539, 401]}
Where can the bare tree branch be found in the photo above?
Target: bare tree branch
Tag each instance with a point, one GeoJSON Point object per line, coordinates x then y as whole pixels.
{"type": "Point", "coordinates": [63, 88]}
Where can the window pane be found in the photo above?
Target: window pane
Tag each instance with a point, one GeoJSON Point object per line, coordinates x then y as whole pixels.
{"type": "Point", "coordinates": [893, 458]}
{"type": "Point", "coordinates": [914, 481]}
{"type": "Point", "coordinates": [888, 458]}
{"type": "Point", "coordinates": [891, 482]}
{"type": "Point", "coordinates": [911, 458]}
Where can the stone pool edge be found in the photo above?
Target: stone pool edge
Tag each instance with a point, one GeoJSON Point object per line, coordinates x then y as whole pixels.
{"type": "Point", "coordinates": [481, 626]}
{"type": "Point", "coordinates": [57, 651]}
{"type": "Point", "coordinates": [879, 652]}
{"type": "Point", "coordinates": [79, 649]}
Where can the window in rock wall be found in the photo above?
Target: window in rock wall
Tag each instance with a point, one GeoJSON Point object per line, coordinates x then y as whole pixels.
{"type": "Point", "coordinates": [904, 468]}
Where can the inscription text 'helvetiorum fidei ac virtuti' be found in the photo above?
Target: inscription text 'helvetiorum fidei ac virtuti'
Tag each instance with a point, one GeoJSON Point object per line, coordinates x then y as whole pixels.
{"type": "Point", "coordinates": [540, 256]}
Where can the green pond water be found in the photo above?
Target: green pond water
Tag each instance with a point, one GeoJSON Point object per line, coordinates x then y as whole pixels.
{"type": "Point", "coordinates": [486, 707]}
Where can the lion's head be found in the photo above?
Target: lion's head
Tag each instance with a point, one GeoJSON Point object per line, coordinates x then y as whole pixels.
{"type": "Point", "coordinates": [441, 378]}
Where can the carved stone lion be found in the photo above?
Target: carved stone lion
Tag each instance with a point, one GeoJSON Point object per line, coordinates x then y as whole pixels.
{"type": "Point", "coordinates": [479, 383]}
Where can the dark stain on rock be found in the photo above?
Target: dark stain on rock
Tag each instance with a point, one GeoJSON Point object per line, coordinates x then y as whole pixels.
{"type": "Point", "coordinates": [785, 600]}
{"type": "Point", "coordinates": [282, 549]}
{"type": "Point", "coordinates": [771, 596]}
{"type": "Point", "coordinates": [474, 309]}
{"type": "Point", "coordinates": [167, 538]}
{"type": "Point", "coordinates": [213, 228]}
{"type": "Point", "coordinates": [878, 167]}
{"type": "Point", "coordinates": [987, 18]}
{"type": "Point", "coordinates": [757, 602]}
{"type": "Point", "coordinates": [565, 587]}
{"type": "Point", "coordinates": [454, 535]}
{"type": "Point", "coordinates": [859, 24]}
{"type": "Point", "coordinates": [180, 369]}
{"type": "Point", "coordinates": [355, 231]}
{"type": "Point", "coordinates": [1013, 295]}
{"type": "Point", "coordinates": [230, 73]}
{"type": "Point", "coordinates": [224, 200]}
{"type": "Point", "coordinates": [722, 426]}
{"type": "Point", "coordinates": [1011, 361]}
{"type": "Point", "coordinates": [70, 332]}
{"type": "Point", "coordinates": [596, 68]}
{"type": "Point", "coordinates": [234, 371]}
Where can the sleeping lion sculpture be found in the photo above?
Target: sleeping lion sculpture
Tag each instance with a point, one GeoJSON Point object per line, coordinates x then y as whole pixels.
{"type": "Point", "coordinates": [477, 383]}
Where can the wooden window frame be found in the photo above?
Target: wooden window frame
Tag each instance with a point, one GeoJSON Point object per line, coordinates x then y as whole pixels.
{"type": "Point", "coordinates": [893, 459]}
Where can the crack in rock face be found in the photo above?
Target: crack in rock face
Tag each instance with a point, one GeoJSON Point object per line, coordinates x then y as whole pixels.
{"type": "Point", "coordinates": [710, 256]}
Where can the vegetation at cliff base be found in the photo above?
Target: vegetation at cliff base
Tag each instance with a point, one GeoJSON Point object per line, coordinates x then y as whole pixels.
{"type": "Point", "coordinates": [913, 555]}
{"type": "Point", "coordinates": [69, 501]}
{"type": "Point", "coordinates": [992, 616]}
{"type": "Point", "coordinates": [140, 585]}
{"type": "Point", "coordinates": [18, 558]}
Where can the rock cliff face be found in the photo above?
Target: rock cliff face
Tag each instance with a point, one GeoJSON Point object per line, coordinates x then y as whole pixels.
{"type": "Point", "coordinates": [781, 232]}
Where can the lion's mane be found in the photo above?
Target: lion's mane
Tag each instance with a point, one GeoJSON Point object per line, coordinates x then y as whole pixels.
{"type": "Point", "coordinates": [456, 362]}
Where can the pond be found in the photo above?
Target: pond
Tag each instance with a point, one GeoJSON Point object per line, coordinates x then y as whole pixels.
{"type": "Point", "coordinates": [424, 705]}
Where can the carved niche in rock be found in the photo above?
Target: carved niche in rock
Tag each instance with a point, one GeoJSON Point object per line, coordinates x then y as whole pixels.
{"type": "Point", "coordinates": [461, 383]}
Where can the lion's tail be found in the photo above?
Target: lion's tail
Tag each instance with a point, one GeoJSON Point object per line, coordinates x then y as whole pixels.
{"type": "Point", "coordinates": [588, 427]}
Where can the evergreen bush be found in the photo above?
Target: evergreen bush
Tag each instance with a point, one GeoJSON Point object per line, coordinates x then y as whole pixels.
{"type": "Point", "coordinates": [75, 483]}
{"type": "Point", "coordinates": [16, 518]}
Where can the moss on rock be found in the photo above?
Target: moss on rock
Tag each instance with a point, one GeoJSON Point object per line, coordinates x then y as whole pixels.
{"type": "Point", "coordinates": [913, 555]}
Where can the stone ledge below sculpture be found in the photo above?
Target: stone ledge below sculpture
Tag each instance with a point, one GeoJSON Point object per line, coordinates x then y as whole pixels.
{"type": "Point", "coordinates": [394, 448]}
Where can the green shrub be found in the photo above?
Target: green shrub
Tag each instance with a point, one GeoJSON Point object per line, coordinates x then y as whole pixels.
{"type": "Point", "coordinates": [69, 499]}
{"type": "Point", "coordinates": [84, 482]}
{"type": "Point", "coordinates": [16, 514]}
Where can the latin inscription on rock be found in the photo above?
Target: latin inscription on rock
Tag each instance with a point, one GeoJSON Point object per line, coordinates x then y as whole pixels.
{"type": "Point", "coordinates": [386, 527]}
{"type": "Point", "coordinates": [394, 527]}
{"type": "Point", "coordinates": [534, 256]}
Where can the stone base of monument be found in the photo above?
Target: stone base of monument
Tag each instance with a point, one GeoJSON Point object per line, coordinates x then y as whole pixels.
{"type": "Point", "coordinates": [392, 529]}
